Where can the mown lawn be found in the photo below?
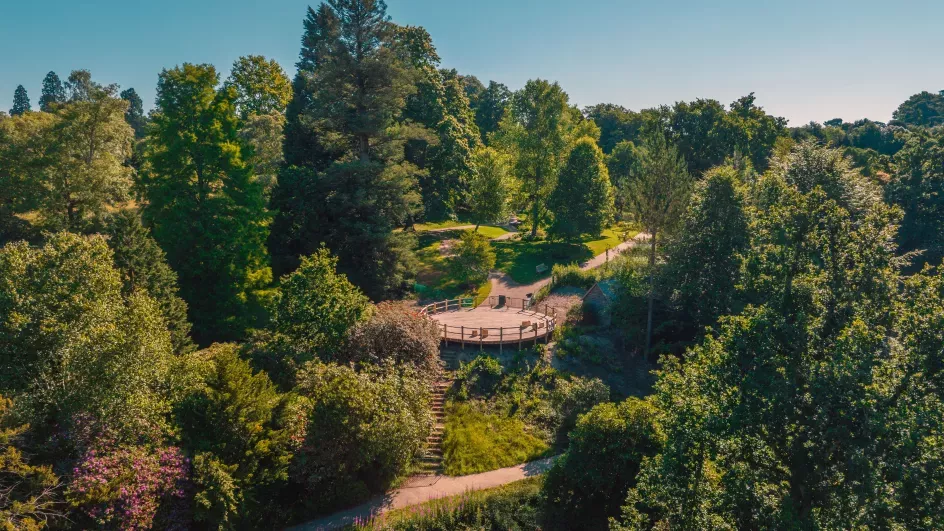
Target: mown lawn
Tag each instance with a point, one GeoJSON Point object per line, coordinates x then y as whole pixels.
{"type": "Point", "coordinates": [519, 258]}
{"type": "Point", "coordinates": [433, 274]}
{"type": "Point", "coordinates": [476, 442]}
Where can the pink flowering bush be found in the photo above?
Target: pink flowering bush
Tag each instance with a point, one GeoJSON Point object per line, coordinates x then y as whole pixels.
{"type": "Point", "coordinates": [132, 488]}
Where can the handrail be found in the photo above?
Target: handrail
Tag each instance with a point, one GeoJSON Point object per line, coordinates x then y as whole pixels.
{"type": "Point", "coordinates": [541, 328]}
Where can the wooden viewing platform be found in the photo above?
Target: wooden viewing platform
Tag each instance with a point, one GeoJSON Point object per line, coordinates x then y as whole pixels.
{"type": "Point", "coordinates": [497, 322]}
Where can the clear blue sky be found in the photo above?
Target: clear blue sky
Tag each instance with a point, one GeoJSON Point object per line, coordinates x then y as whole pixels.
{"type": "Point", "coordinates": [805, 60]}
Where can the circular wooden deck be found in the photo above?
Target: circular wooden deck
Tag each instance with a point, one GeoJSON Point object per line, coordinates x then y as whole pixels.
{"type": "Point", "coordinates": [488, 325]}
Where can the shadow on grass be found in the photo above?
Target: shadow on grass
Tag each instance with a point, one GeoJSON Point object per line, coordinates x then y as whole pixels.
{"type": "Point", "coordinates": [519, 258]}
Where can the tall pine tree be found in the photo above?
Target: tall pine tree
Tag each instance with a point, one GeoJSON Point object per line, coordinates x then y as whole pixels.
{"type": "Point", "coordinates": [53, 92]}
{"type": "Point", "coordinates": [21, 102]}
{"type": "Point", "coordinates": [347, 184]}
{"type": "Point", "coordinates": [206, 209]}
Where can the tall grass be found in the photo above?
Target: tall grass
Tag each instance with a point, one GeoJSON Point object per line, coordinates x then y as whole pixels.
{"type": "Point", "coordinates": [517, 506]}
{"type": "Point", "coordinates": [475, 442]}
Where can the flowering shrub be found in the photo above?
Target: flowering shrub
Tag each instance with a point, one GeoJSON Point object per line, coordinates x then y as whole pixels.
{"type": "Point", "coordinates": [132, 488]}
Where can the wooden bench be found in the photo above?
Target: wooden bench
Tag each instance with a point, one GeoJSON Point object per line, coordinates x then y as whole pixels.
{"type": "Point", "coordinates": [540, 268]}
{"type": "Point", "coordinates": [475, 333]}
{"type": "Point", "coordinates": [484, 333]}
{"type": "Point", "coordinates": [525, 324]}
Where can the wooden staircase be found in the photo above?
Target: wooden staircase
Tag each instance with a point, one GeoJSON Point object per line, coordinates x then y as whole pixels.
{"type": "Point", "coordinates": [431, 462]}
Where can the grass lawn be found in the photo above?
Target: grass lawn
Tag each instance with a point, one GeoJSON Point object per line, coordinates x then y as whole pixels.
{"type": "Point", "coordinates": [519, 258]}
{"type": "Point", "coordinates": [476, 442]}
{"type": "Point", "coordinates": [433, 272]}
{"type": "Point", "coordinates": [420, 227]}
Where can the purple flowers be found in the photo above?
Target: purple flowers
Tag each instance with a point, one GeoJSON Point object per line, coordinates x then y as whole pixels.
{"type": "Point", "coordinates": [125, 487]}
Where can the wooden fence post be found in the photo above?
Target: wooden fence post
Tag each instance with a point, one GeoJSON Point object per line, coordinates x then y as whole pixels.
{"type": "Point", "coordinates": [501, 334]}
{"type": "Point", "coordinates": [446, 334]}
{"type": "Point", "coordinates": [462, 332]}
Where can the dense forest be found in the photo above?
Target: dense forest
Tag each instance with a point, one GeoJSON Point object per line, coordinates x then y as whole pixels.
{"type": "Point", "coordinates": [208, 312]}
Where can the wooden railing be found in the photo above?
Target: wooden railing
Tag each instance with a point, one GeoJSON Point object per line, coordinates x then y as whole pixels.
{"type": "Point", "coordinates": [448, 306]}
{"type": "Point", "coordinates": [533, 326]}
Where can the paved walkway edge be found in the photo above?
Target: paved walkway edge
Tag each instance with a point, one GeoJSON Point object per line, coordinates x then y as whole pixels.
{"type": "Point", "coordinates": [429, 489]}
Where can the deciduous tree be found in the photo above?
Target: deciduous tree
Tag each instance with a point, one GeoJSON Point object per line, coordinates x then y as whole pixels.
{"type": "Point", "coordinates": [582, 201]}
{"type": "Point", "coordinates": [261, 85]}
{"type": "Point", "coordinates": [491, 186]}
{"type": "Point", "coordinates": [204, 206]}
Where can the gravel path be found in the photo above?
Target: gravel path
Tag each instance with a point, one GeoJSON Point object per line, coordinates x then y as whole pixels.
{"type": "Point", "coordinates": [423, 489]}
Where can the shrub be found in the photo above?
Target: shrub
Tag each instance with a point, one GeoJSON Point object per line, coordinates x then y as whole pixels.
{"type": "Point", "coordinates": [473, 258]}
{"type": "Point", "coordinates": [363, 430]}
{"type": "Point", "coordinates": [474, 441]}
{"type": "Point", "coordinates": [479, 377]}
{"type": "Point", "coordinates": [573, 275]}
{"type": "Point", "coordinates": [397, 334]}
{"type": "Point", "coordinates": [132, 487]}
{"type": "Point", "coordinates": [606, 449]}
{"type": "Point", "coordinates": [234, 425]}
{"type": "Point", "coordinates": [318, 306]}
{"type": "Point", "coordinates": [27, 492]}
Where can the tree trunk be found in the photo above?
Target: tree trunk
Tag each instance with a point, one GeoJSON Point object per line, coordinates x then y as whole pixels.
{"type": "Point", "coordinates": [534, 218]}
{"type": "Point", "coordinates": [652, 267]}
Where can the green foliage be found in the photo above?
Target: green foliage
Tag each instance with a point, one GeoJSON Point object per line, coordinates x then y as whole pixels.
{"type": "Point", "coordinates": [624, 165]}
{"type": "Point", "coordinates": [534, 130]}
{"type": "Point", "coordinates": [21, 102]}
{"type": "Point", "coordinates": [545, 399]}
{"type": "Point", "coordinates": [516, 506]}
{"type": "Point", "coordinates": [144, 268]}
{"type": "Point", "coordinates": [916, 188]}
{"type": "Point", "coordinates": [703, 263]}
{"type": "Point", "coordinates": [204, 206]}
{"type": "Point", "coordinates": [490, 110]}
{"type": "Point", "coordinates": [490, 187]}
{"type": "Point", "coordinates": [923, 109]}
{"type": "Point", "coordinates": [318, 306]}
{"type": "Point", "coordinates": [53, 93]}
{"type": "Point", "coordinates": [352, 209]}
{"type": "Point", "coordinates": [135, 114]}
{"type": "Point", "coordinates": [606, 449]}
{"type": "Point", "coordinates": [262, 138]}
{"type": "Point", "coordinates": [70, 343]}
{"type": "Point", "coordinates": [261, 86]}
{"type": "Point", "coordinates": [479, 377]}
{"type": "Point", "coordinates": [473, 258]}
{"type": "Point", "coordinates": [582, 201]}
{"type": "Point", "coordinates": [475, 442]}
{"type": "Point", "coordinates": [233, 422]}
{"type": "Point", "coordinates": [829, 336]}
{"type": "Point", "coordinates": [395, 333]}
{"type": "Point", "coordinates": [363, 430]}
{"type": "Point", "coordinates": [68, 165]}
{"type": "Point", "coordinates": [27, 492]}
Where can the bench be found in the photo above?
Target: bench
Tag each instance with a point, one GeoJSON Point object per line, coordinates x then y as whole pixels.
{"type": "Point", "coordinates": [525, 324]}
{"type": "Point", "coordinates": [475, 333]}
{"type": "Point", "coordinates": [540, 268]}
{"type": "Point", "coordinates": [484, 333]}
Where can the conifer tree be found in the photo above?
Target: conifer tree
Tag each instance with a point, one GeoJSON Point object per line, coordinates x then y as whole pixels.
{"type": "Point", "coordinates": [21, 102]}
{"type": "Point", "coordinates": [53, 92]}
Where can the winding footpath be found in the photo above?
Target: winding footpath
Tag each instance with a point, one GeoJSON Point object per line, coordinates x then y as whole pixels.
{"type": "Point", "coordinates": [422, 489]}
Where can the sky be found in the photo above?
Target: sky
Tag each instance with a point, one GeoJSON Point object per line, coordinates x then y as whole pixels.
{"type": "Point", "coordinates": [804, 60]}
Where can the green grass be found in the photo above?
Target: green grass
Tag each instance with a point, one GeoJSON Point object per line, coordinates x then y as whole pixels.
{"type": "Point", "coordinates": [433, 271]}
{"type": "Point", "coordinates": [519, 258]}
{"type": "Point", "coordinates": [517, 505]}
{"type": "Point", "coordinates": [476, 442]}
